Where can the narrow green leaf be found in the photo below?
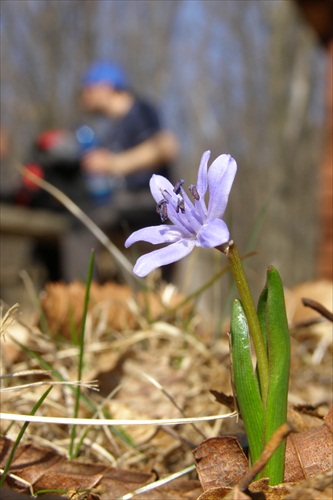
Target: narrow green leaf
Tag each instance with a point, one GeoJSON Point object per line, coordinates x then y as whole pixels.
{"type": "Point", "coordinates": [279, 369]}
{"type": "Point", "coordinates": [74, 453]}
{"type": "Point", "coordinates": [20, 435]}
{"type": "Point", "coordinates": [245, 383]}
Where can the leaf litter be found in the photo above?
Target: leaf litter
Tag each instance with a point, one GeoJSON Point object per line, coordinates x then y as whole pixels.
{"type": "Point", "coordinates": [151, 361]}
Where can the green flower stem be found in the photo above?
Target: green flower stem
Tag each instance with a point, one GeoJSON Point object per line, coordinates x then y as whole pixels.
{"type": "Point", "coordinates": [198, 291]}
{"type": "Point", "coordinates": [230, 250]}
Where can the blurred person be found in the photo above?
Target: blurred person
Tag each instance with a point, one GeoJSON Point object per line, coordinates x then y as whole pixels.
{"type": "Point", "coordinates": [107, 168]}
{"type": "Point", "coordinates": [122, 145]}
{"type": "Point", "coordinates": [130, 142]}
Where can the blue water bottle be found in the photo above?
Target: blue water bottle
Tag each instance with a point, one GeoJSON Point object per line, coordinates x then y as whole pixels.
{"type": "Point", "coordinates": [98, 185]}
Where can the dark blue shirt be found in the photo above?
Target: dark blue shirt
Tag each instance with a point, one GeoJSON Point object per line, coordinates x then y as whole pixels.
{"type": "Point", "coordinates": [138, 125]}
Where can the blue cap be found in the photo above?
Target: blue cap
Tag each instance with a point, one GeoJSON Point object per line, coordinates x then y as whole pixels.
{"type": "Point", "coordinates": [103, 72]}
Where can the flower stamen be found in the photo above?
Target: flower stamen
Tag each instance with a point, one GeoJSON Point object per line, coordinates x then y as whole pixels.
{"type": "Point", "coordinates": [180, 205]}
{"type": "Point", "coordinates": [178, 186]}
{"type": "Point", "coordinates": [194, 192]}
{"type": "Point", "coordinates": [161, 209]}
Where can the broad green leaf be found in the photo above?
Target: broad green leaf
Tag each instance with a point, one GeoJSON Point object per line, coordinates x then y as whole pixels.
{"type": "Point", "coordinates": [245, 383]}
{"type": "Point", "coordinates": [262, 316]}
{"type": "Point", "coordinates": [279, 367]}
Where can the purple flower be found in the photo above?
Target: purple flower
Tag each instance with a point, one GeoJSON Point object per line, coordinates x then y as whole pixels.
{"type": "Point", "coordinates": [193, 223]}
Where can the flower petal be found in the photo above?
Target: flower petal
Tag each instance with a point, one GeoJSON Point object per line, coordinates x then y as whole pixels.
{"type": "Point", "coordinates": [213, 234]}
{"type": "Point", "coordinates": [221, 175]}
{"type": "Point", "coordinates": [202, 174]}
{"type": "Point", "coordinates": [165, 233]}
{"type": "Point", "coordinates": [163, 256]}
{"type": "Point", "coordinates": [158, 184]}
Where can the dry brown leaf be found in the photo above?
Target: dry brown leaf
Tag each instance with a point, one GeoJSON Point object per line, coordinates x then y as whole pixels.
{"type": "Point", "coordinates": [225, 399]}
{"type": "Point", "coordinates": [304, 417]}
{"type": "Point", "coordinates": [220, 493]}
{"type": "Point", "coordinates": [307, 322]}
{"type": "Point", "coordinates": [221, 463]}
{"type": "Point", "coordinates": [310, 452]}
{"type": "Point", "coordinates": [241, 490]}
{"type": "Point", "coordinates": [259, 490]}
{"type": "Point", "coordinates": [270, 492]}
{"type": "Point", "coordinates": [44, 469]}
{"type": "Point", "coordinates": [62, 305]}
{"type": "Point", "coordinates": [9, 494]}
{"type": "Point", "coordinates": [319, 487]}
{"type": "Point", "coordinates": [319, 290]}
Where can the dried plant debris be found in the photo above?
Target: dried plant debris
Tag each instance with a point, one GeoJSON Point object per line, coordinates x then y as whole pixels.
{"type": "Point", "coordinates": [152, 356]}
{"type": "Point", "coordinates": [223, 467]}
{"type": "Point", "coordinates": [115, 306]}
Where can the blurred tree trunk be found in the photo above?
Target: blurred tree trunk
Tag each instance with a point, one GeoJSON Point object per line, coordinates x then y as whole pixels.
{"type": "Point", "coordinates": [277, 148]}
{"type": "Point", "coordinates": [325, 246]}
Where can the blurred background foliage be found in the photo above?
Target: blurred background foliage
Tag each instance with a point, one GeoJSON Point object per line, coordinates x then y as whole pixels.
{"type": "Point", "coordinates": [240, 77]}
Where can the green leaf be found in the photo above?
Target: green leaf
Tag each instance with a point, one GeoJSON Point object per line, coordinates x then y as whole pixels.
{"type": "Point", "coordinates": [261, 312]}
{"type": "Point", "coordinates": [245, 383]}
{"type": "Point", "coordinates": [20, 435]}
{"type": "Point", "coordinates": [74, 453]}
{"type": "Point", "coordinates": [279, 368]}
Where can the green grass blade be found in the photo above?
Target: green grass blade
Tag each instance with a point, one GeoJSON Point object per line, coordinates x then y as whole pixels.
{"type": "Point", "coordinates": [72, 453]}
{"type": "Point", "coordinates": [279, 369]}
{"type": "Point", "coordinates": [245, 382]}
{"type": "Point", "coordinates": [20, 435]}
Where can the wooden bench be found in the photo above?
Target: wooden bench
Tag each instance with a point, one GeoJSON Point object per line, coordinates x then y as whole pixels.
{"type": "Point", "coordinates": [32, 223]}
{"type": "Point", "coordinates": [20, 229]}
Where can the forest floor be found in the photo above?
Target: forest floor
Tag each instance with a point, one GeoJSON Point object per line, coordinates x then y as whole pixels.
{"type": "Point", "coordinates": [151, 359]}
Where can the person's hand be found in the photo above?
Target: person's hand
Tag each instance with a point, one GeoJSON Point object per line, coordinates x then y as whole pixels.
{"type": "Point", "coordinates": [100, 161]}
